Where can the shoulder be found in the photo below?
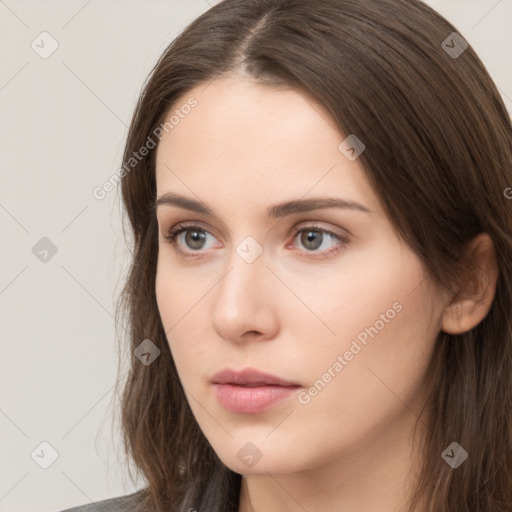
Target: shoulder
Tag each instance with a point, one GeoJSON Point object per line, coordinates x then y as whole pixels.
{"type": "Point", "coordinates": [125, 503]}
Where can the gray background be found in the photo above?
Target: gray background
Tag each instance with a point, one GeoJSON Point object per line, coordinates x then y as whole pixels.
{"type": "Point", "coordinates": [63, 123]}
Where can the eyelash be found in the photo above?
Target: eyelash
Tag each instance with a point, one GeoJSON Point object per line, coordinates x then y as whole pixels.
{"type": "Point", "coordinates": [176, 230]}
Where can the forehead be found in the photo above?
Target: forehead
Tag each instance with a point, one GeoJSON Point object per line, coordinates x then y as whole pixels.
{"type": "Point", "coordinates": [250, 141]}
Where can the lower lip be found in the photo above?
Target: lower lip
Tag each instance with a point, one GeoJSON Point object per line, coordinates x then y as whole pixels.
{"type": "Point", "coordinates": [251, 399]}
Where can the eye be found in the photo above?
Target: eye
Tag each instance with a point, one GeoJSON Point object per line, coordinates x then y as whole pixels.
{"type": "Point", "coordinates": [312, 237]}
{"type": "Point", "coordinates": [194, 238]}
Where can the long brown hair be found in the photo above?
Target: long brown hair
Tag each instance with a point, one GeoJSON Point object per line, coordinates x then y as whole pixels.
{"type": "Point", "coordinates": [439, 156]}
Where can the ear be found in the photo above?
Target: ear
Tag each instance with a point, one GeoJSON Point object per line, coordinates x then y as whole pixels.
{"type": "Point", "coordinates": [474, 298]}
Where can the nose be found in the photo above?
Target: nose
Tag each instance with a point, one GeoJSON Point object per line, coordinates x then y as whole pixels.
{"type": "Point", "coordinates": [245, 305]}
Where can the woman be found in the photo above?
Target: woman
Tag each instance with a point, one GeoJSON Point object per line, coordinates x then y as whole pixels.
{"type": "Point", "coordinates": [320, 296]}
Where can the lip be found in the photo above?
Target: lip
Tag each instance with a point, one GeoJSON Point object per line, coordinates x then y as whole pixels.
{"type": "Point", "coordinates": [250, 391]}
{"type": "Point", "coordinates": [249, 377]}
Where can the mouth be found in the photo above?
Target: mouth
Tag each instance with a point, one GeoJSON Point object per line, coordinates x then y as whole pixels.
{"type": "Point", "coordinates": [250, 391]}
{"type": "Point", "coordinates": [250, 377]}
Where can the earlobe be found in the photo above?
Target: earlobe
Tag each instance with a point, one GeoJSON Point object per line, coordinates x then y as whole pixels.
{"type": "Point", "coordinates": [475, 297]}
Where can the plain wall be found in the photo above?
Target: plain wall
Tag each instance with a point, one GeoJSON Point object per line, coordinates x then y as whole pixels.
{"type": "Point", "coordinates": [63, 123]}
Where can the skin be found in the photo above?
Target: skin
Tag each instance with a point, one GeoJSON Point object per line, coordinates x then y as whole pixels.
{"type": "Point", "coordinates": [296, 307]}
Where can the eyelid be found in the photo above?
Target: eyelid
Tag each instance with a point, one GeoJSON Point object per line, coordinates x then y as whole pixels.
{"type": "Point", "coordinates": [175, 230]}
{"type": "Point", "coordinates": [302, 225]}
{"type": "Point", "coordinates": [318, 225]}
{"type": "Point", "coordinates": [188, 225]}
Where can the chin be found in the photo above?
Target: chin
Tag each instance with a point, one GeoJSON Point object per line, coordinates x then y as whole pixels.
{"type": "Point", "coordinates": [249, 458]}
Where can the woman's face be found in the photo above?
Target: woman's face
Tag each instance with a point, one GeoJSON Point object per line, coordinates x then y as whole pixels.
{"type": "Point", "coordinates": [326, 298]}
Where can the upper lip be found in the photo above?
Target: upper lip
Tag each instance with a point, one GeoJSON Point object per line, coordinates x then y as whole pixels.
{"type": "Point", "coordinates": [249, 377]}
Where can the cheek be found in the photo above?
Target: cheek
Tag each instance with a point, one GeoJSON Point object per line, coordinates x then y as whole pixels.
{"type": "Point", "coordinates": [164, 295]}
{"type": "Point", "coordinates": [175, 295]}
{"type": "Point", "coordinates": [374, 281]}
{"type": "Point", "coordinates": [382, 325]}
{"type": "Point", "coordinates": [169, 307]}
{"type": "Point", "coordinates": [181, 303]}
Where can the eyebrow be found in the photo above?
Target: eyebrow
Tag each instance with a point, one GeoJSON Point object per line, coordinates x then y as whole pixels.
{"type": "Point", "coordinates": [273, 212]}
